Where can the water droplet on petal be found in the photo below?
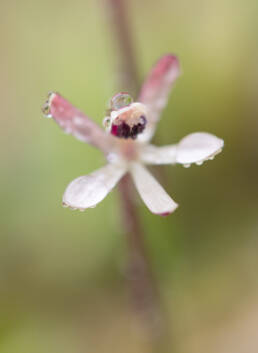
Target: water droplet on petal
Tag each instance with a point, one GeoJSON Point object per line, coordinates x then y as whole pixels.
{"type": "Point", "coordinates": [187, 165]}
{"type": "Point", "coordinates": [106, 122]}
{"type": "Point", "coordinates": [120, 100]}
{"type": "Point", "coordinates": [46, 110]}
{"type": "Point", "coordinates": [46, 106]}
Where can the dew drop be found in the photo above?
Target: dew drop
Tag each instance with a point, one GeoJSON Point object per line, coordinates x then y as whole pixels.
{"type": "Point", "coordinates": [106, 122]}
{"type": "Point", "coordinates": [120, 100]}
{"type": "Point", "coordinates": [46, 106]}
{"type": "Point", "coordinates": [46, 110]}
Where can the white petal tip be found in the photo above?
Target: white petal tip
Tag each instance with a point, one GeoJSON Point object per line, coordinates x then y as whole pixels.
{"type": "Point", "coordinates": [72, 208]}
{"type": "Point", "coordinates": [167, 213]}
{"type": "Point", "coordinates": [198, 148]}
{"type": "Point", "coordinates": [66, 204]}
{"type": "Point", "coordinates": [88, 190]}
{"type": "Point", "coordinates": [154, 196]}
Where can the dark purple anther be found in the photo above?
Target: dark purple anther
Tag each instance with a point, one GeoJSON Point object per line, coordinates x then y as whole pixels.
{"type": "Point", "coordinates": [124, 130]}
{"type": "Point", "coordinates": [114, 130]}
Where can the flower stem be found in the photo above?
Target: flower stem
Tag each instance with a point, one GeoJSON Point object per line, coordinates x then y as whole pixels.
{"type": "Point", "coordinates": [128, 78]}
{"type": "Point", "coordinates": [144, 290]}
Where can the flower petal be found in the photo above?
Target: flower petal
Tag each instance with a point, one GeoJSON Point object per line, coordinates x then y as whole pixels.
{"type": "Point", "coordinates": [151, 192]}
{"type": "Point", "coordinates": [88, 190]}
{"type": "Point", "coordinates": [76, 123]}
{"type": "Point", "coordinates": [155, 91]}
{"type": "Point", "coordinates": [198, 147]}
{"type": "Point", "coordinates": [151, 154]}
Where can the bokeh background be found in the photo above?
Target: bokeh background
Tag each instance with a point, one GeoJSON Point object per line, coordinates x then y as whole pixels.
{"type": "Point", "coordinates": [62, 285]}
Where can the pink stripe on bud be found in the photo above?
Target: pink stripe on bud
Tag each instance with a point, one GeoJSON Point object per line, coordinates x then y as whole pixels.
{"type": "Point", "coordinates": [156, 89]}
{"type": "Point", "coordinates": [74, 122]}
{"type": "Point", "coordinates": [165, 71]}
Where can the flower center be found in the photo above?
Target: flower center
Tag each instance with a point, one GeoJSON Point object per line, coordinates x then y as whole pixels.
{"type": "Point", "coordinates": [128, 126]}
{"type": "Point", "coordinates": [126, 119]}
{"type": "Point", "coordinates": [128, 150]}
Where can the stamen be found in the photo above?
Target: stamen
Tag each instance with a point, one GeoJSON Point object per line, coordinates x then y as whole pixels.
{"type": "Point", "coordinates": [128, 122]}
{"type": "Point", "coordinates": [124, 130]}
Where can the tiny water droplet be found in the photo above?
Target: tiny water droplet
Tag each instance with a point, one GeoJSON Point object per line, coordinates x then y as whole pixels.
{"type": "Point", "coordinates": [106, 122]}
{"type": "Point", "coordinates": [46, 107]}
{"type": "Point", "coordinates": [187, 165]}
{"type": "Point", "coordinates": [46, 110]}
{"type": "Point", "coordinates": [120, 100]}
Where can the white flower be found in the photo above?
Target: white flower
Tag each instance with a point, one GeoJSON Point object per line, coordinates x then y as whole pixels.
{"type": "Point", "coordinates": [126, 143]}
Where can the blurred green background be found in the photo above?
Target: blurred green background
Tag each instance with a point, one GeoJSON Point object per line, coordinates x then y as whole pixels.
{"type": "Point", "coordinates": [62, 287]}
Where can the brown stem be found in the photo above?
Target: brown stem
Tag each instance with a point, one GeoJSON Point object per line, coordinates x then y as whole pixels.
{"type": "Point", "coordinates": [128, 78]}
{"type": "Point", "coordinates": [144, 291]}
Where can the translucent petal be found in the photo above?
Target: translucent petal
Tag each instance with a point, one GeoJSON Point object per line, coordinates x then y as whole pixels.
{"type": "Point", "coordinates": [198, 147]}
{"type": "Point", "coordinates": [151, 192]}
{"type": "Point", "coordinates": [156, 89]}
{"type": "Point", "coordinates": [74, 122]}
{"type": "Point", "coordinates": [151, 154]}
{"type": "Point", "coordinates": [88, 190]}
